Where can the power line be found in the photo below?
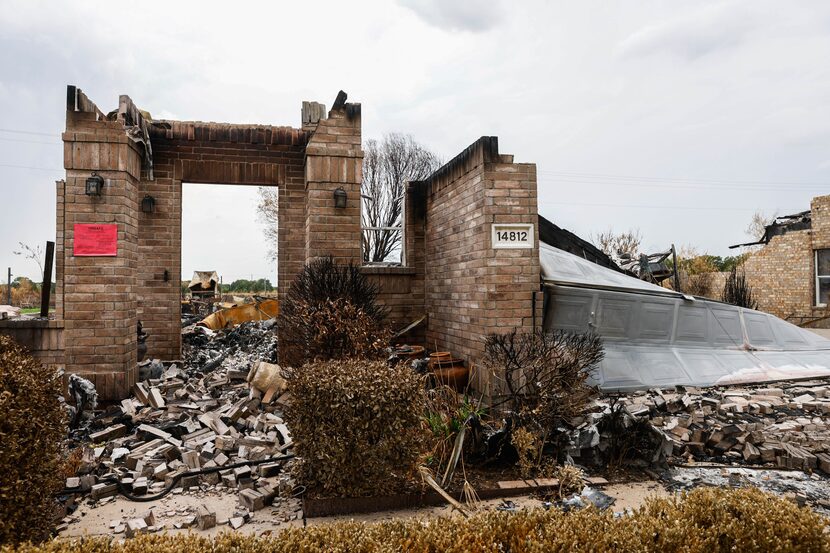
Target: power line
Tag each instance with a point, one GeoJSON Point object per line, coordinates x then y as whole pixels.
{"type": "Point", "coordinates": [674, 186]}
{"type": "Point", "coordinates": [607, 176]}
{"type": "Point", "coordinates": [19, 140]}
{"type": "Point", "coordinates": [35, 133]}
{"type": "Point", "coordinates": [28, 167]}
{"type": "Point", "coordinates": [666, 207]}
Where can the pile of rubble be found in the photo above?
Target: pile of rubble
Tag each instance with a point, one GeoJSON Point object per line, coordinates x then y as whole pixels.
{"type": "Point", "coordinates": [212, 422]}
{"type": "Point", "coordinates": [782, 426]}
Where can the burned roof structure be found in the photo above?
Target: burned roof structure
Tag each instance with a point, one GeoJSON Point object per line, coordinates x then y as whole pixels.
{"type": "Point", "coordinates": [556, 236]}
{"type": "Point", "coordinates": [782, 225]}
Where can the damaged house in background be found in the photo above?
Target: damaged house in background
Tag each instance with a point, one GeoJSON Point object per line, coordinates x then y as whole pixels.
{"type": "Point", "coordinates": [790, 272]}
{"type": "Point", "coordinates": [476, 258]}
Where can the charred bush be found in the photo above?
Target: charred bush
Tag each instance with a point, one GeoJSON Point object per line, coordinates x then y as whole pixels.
{"type": "Point", "coordinates": [737, 291]}
{"type": "Point", "coordinates": [330, 312]}
{"type": "Point", "coordinates": [357, 426]}
{"type": "Point", "coordinates": [32, 427]}
{"type": "Point", "coordinates": [543, 374]}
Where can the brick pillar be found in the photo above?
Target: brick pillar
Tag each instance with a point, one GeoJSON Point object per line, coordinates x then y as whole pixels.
{"type": "Point", "coordinates": [99, 307]}
{"type": "Point", "coordinates": [334, 159]}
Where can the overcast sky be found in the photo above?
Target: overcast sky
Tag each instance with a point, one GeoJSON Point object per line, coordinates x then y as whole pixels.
{"type": "Point", "coordinates": [677, 118]}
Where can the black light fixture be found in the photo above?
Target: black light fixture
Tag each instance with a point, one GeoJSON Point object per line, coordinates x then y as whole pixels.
{"type": "Point", "coordinates": [94, 185]}
{"type": "Point", "coordinates": [339, 197]}
{"type": "Point", "coordinates": [148, 204]}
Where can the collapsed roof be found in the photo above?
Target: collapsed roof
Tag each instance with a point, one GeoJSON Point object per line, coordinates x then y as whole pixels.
{"type": "Point", "coordinates": [203, 281]}
{"type": "Point", "coordinates": [782, 225]}
{"type": "Point", "coordinates": [655, 337]}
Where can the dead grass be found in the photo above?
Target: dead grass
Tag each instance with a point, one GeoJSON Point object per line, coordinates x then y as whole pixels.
{"type": "Point", "coordinates": [704, 521]}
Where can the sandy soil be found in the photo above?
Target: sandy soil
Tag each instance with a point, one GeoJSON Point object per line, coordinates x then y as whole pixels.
{"type": "Point", "coordinates": [175, 508]}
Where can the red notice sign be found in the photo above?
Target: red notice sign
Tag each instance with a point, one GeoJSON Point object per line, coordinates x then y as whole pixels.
{"type": "Point", "coordinates": [96, 240]}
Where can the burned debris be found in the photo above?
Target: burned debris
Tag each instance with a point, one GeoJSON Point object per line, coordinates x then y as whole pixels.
{"type": "Point", "coordinates": [211, 423]}
{"type": "Point", "coordinates": [780, 426]}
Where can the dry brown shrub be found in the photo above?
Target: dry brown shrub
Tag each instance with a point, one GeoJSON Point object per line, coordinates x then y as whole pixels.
{"type": "Point", "coordinates": [32, 426]}
{"type": "Point", "coordinates": [704, 521]}
{"type": "Point", "coordinates": [330, 312]}
{"type": "Point", "coordinates": [527, 448]}
{"type": "Point", "coordinates": [570, 480]}
{"type": "Point", "coordinates": [357, 425]}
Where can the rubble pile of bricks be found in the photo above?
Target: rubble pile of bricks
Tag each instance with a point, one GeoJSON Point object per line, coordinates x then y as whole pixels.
{"type": "Point", "coordinates": [208, 412]}
{"type": "Point", "coordinates": [785, 425]}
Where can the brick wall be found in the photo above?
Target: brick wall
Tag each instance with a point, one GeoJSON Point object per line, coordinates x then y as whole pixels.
{"type": "Point", "coordinates": [472, 289]}
{"type": "Point", "coordinates": [97, 297]}
{"type": "Point", "coordinates": [334, 159]}
{"type": "Point", "coordinates": [782, 273]}
{"type": "Point", "coordinates": [43, 339]}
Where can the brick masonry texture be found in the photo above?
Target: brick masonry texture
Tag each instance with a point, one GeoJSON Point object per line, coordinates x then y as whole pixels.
{"type": "Point", "coordinates": [451, 273]}
{"type": "Point", "coordinates": [43, 339]}
{"type": "Point", "coordinates": [782, 273]}
{"type": "Point", "coordinates": [472, 289]}
{"type": "Point", "coordinates": [97, 294]}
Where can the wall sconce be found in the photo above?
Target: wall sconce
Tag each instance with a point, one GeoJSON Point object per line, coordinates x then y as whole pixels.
{"type": "Point", "coordinates": [148, 204]}
{"type": "Point", "coordinates": [339, 197]}
{"type": "Point", "coordinates": [94, 185]}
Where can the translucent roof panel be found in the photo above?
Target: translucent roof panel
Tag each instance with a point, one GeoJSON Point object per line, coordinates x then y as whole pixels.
{"type": "Point", "coordinates": [654, 337]}
{"type": "Point", "coordinates": [562, 267]}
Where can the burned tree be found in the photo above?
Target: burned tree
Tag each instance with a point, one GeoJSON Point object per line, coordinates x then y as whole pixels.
{"type": "Point", "coordinates": [387, 167]}
{"type": "Point", "coordinates": [737, 291]}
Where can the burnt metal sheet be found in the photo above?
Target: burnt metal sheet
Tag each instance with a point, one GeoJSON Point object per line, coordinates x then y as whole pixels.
{"type": "Point", "coordinates": [655, 337]}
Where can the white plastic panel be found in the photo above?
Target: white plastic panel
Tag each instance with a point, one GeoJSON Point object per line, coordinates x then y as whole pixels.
{"type": "Point", "coordinates": [653, 337]}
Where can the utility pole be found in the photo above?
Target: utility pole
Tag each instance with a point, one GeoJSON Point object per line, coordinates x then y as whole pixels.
{"type": "Point", "coordinates": [9, 287]}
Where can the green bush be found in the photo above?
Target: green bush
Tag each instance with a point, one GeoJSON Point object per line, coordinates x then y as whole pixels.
{"type": "Point", "coordinates": [704, 521]}
{"type": "Point", "coordinates": [356, 425]}
{"type": "Point", "coordinates": [32, 427]}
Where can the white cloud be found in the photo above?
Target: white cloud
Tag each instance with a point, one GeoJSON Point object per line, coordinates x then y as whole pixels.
{"type": "Point", "coordinates": [459, 15]}
{"type": "Point", "coordinates": [734, 91]}
{"type": "Point", "coordinates": [707, 30]}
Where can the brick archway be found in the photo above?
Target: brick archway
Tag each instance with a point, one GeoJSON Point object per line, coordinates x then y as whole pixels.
{"type": "Point", "coordinates": [100, 299]}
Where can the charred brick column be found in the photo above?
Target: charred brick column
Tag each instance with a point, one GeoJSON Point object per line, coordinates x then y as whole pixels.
{"type": "Point", "coordinates": [98, 298]}
{"type": "Point", "coordinates": [334, 159]}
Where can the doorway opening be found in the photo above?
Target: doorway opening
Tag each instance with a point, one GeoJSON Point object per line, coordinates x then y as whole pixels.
{"type": "Point", "coordinates": [228, 245]}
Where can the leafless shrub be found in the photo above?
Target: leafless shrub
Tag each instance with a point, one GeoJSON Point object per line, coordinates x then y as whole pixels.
{"type": "Point", "coordinates": [330, 312]}
{"type": "Point", "coordinates": [699, 284]}
{"type": "Point", "coordinates": [544, 373]}
{"type": "Point", "coordinates": [357, 426]}
{"type": "Point", "coordinates": [619, 245]}
{"type": "Point", "coordinates": [737, 291]}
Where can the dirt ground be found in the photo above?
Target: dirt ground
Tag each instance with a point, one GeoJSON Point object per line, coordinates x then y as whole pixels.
{"type": "Point", "coordinates": [105, 519]}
